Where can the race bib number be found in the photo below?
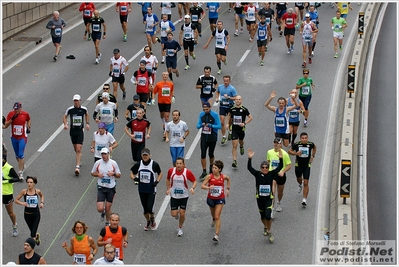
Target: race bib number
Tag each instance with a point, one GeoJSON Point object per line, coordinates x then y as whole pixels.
{"type": "Point", "coordinates": [212, 9]}
{"type": "Point", "coordinates": [165, 91]}
{"type": "Point", "coordinates": [215, 191]}
{"type": "Point", "coordinates": [57, 31]}
{"type": "Point", "coordinates": [207, 90]}
{"type": "Point", "coordinates": [289, 21]}
{"type": "Point", "coordinates": [99, 147]}
{"type": "Point", "coordinates": [225, 101]}
{"type": "Point", "coordinates": [262, 33]}
{"type": "Point", "coordinates": [264, 190]}
{"type": "Point", "coordinates": [138, 136]}
{"type": "Point", "coordinates": [178, 191]}
{"type": "Point", "coordinates": [105, 181]}
{"type": "Point", "coordinates": [18, 129]}
{"type": "Point", "coordinates": [32, 201]}
{"type": "Point", "coordinates": [305, 152]}
{"type": "Point", "coordinates": [171, 52]}
{"type": "Point", "coordinates": [79, 259]}
{"type": "Point", "coordinates": [123, 8]}
{"type": "Point", "coordinates": [219, 42]}
{"type": "Point", "coordinates": [194, 18]}
{"type": "Point", "coordinates": [293, 114]}
{"type": "Point", "coordinates": [134, 114]}
{"type": "Point", "coordinates": [237, 120]}
{"type": "Point", "coordinates": [308, 39]}
{"type": "Point", "coordinates": [77, 120]}
{"type": "Point", "coordinates": [280, 122]}
{"type": "Point", "coordinates": [176, 134]}
{"type": "Point", "coordinates": [117, 253]}
{"type": "Point", "coordinates": [145, 177]}
{"type": "Point", "coordinates": [274, 163]}
{"type": "Point", "coordinates": [206, 130]}
{"type": "Point", "coordinates": [115, 70]}
{"type": "Point", "coordinates": [268, 20]}
{"type": "Point", "coordinates": [87, 13]}
{"type": "Point", "coordinates": [96, 27]}
{"type": "Point", "coordinates": [141, 81]}
{"type": "Point", "coordinates": [305, 90]}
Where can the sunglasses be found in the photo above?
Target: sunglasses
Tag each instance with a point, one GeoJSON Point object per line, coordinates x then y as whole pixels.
{"type": "Point", "coordinates": [265, 167]}
{"type": "Point", "coordinates": [105, 88]}
{"type": "Point", "coordinates": [305, 73]}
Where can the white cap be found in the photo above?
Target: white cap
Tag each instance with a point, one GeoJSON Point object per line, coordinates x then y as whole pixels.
{"type": "Point", "coordinates": [187, 16]}
{"type": "Point", "coordinates": [104, 150]}
{"type": "Point", "coordinates": [76, 97]}
{"type": "Point", "coordinates": [307, 15]}
{"type": "Point", "coordinates": [105, 94]}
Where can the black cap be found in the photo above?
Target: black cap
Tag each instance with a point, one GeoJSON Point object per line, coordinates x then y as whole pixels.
{"type": "Point", "coordinates": [116, 50]}
{"type": "Point", "coordinates": [136, 97]}
{"type": "Point", "coordinates": [277, 140]}
{"type": "Point", "coordinates": [206, 104]}
{"type": "Point", "coordinates": [31, 242]}
{"type": "Point", "coordinates": [143, 62]}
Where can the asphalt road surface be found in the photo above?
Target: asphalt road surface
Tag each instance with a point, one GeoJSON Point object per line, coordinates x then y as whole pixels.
{"type": "Point", "coordinates": [45, 89]}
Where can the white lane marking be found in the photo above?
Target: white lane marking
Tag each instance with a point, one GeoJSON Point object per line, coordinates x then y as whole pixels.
{"type": "Point", "coordinates": [161, 211]}
{"type": "Point", "coordinates": [243, 58]}
{"type": "Point", "coordinates": [193, 145]}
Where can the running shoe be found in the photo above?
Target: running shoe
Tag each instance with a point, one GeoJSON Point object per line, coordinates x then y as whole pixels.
{"type": "Point", "coordinates": [312, 53]}
{"type": "Point", "coordinates": [186, 67]}
{"type": "Point", "coordinates": [304, 203]}
{"type": "Point", "coordinates": [261, 63]}
{"type": "Point", "coordinates": [229, 136]}
{"type": "Point", "coordinates": [289, 51]}
{"type": "Point", "coordinates": [147, 226]}
{"type": "Point", "coordinates": [272, 214]}
{"type": "Point", "coordinates": [219, 71]}
{"type": "Point", "coordinates": [99, 56]}
{"type": "Point", "coordinates": [153, 223]}
{"type": "Point", "coordinates": [271, 237]}
{"type": "Point", "coordinates": [59, 51]}
{"type": "Point", "coordinates": [38, 239]}
{"type": "Point", "coordinates": [229, 10]}
{"type": "Point", "coordinates": [340, 47]}
{"type": "Point", "coordinates": [259, 53]}
{"type": "Point", "coordinates": [225, 62]}
{"type": "Point", "coordinates": [77, 170]}
{"type": "Point", "coordinates": [335, 55]}
{"type": "Point", "coordinates": [55, 58]}
{"type": "Point", "coordinates": [266, 48]}
{"type": "Point", "coordinates": [89, 39]}
{"type": "Point", "coordinates": [149, 102]}
{"type": "Point", "coordinates": [224, 139]}
{"type": "Point", "coordinates": [163, 61]}
{"type": "Point", "coordinates": [250, 39]}
{"type": "Point", "coordinates": [242, 150]}
{"type": "Point", "coordinates": [107, 223]}
{"type": "Point", "coordinates": [14, 230]}
{"type": "Point", "coordinates": [292, 48]}
{"type": "Point", "coordinates": [213, 223]}
{"type": "Point", "coordinates": [124, 37]}
{"type": "Point", "coordinates": [21, 175]}
{"type": "Point", "coordinates": [281, 33]}
{"type": "Point", "coordinates": [241, 30]}
{"type": "Point", "coordinates": [310, 60]}
{"type": "Point", "coordinates": [124, 95]}
{"type": "Point", "coordinates": [177, 74]}
{"type": "Point", "coordinates": [158, 40]}
{"type": "Point", "coordinates": [304, 64]}
{"type": "Point", "coordinates": [279, 208]}
{"type": "Point", "coordinates": [300, 188]}
{"type": "Point", "coordinates": [102, 216]}
{"type": "Point", "coordinates": [236, 33]}
{"type": "Point", "coordinates": [202, 177]}
{"type": "Point", "coordinates": [194, 56]}
{"type": "Point", "coordinates": [305, 123]}
{"type": "Point", "coordinates": [215, 238]}
{"type": "Point", "coordinates": [179, 232]}
{"type": "Point", "coordinates": [234, 164]}
{"type": "Point", "coordinates": [265, 232]}
{"type": "Point", "coordinates": [343, 34]}
{"type": "Point", "coordinates": [153, 101]}
{"type": "Point", "coordinates": [97, 60]}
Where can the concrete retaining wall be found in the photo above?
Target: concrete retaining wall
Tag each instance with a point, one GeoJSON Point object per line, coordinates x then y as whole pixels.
{"type": "Point", "coordinates": [19, 16]}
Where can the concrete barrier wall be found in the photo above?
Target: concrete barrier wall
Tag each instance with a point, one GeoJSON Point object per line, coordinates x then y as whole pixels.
{"type": "Point", "coordinates": [21, 15]}
{"type": "Point", "coordinates": [344, 221]}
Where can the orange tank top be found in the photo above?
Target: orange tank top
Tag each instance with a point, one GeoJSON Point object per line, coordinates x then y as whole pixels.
{"type": "Point", "coordinates": [81, 250]}
{"type": "Point", "coordinates": [117, 241]}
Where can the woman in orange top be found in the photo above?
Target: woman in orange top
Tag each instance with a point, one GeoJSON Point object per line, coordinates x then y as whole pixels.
{"type": "Point", "coordinates": [81, 245]}
{"type": "Point", "coordinates": [166, 96]}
